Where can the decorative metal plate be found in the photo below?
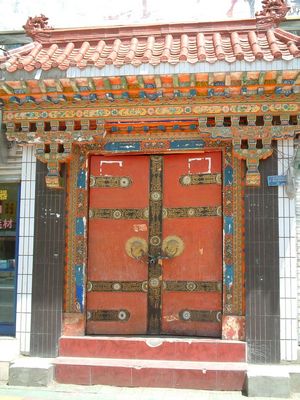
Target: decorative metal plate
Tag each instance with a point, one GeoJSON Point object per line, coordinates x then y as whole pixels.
{"type": "Point", "coordinates": [143, 213]}
{"type": "Point", "coordinates": [108, 315]}
{"type": "Point", "coordinates": [155, 241]}
{"type": "Point", "coordinates": [142, 286]}
{"type": "Point", "coordinates": [119, 213]}
{"type": "Point", "coordinates": [110, 181]}
{"type": "Point", "coordinates": [192, 212]}
{"type": "Point", "coordinates": [200, 315]}
{"type": "Point", "coordinates": [200, 179]}
{"type": "Point", "coordinates": [117, 286]}
{"type": "Point", "coordinates": [192, 286]}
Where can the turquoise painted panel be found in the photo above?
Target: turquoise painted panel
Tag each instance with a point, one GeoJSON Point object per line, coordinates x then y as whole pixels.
{"type": "Point", "coordinates": [79, 226]}
{"type": "Point", "coordinates": [81, 179]}
{"type": "Point", "coordinates": [187, 144]}
{"type": "Point", "coordinates": [122, 146]}
{"type": "Point", "coordinates": [228, 225]}
{"type": "Point", "coordinates": [79, 286]}
{"type": "Point", "coordinates": [228, 176]}
{"type": "Point", "coordinates": [229, 275]}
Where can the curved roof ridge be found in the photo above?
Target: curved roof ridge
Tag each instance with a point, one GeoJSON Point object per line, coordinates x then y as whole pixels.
{"type": "Point", "coordinates": [273, 11]}
{"type": "Point", "coordinates": [202, 42]}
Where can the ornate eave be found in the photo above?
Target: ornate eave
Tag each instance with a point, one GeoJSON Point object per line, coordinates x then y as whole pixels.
{"type": "Point", "coordinates": [249, 123]}
{"type": "Point", "coordinates": [36, 89]}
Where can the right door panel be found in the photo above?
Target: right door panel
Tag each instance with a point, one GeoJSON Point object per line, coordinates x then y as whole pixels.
{"type": "Point", "coordinates": [192, 237]}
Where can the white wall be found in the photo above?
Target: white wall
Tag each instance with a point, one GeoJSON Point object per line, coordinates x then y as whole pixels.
{"type": "Point", "coordinates": [288, 259]}
{"type": "Point", "coordinates": [67, 13]}
{"type": "Point", "coordinates": [25, 261]}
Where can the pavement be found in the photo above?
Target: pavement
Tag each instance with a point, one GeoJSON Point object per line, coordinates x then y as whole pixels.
{"type": "Point", "coordinates": [99, 392]}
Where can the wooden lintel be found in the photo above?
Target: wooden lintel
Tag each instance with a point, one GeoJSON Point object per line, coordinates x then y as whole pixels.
{"type": "Point", "coordinates": [124, 83]}
{"type": "Point", "coordinates": [211, 79]}
{"type": "Point", "coordinates": [244, 78]}
{"type": "Point", "coordinates": [297, 78]}
{"type": "Point", "coordinates": [279, 78]}
{"type": "Point", "coordinates": [8, 89]}
{"type": "Point", "coordinates": [141, 82]}
{"type": "Point", "coordinates": [261, 78]}
{"type": "Point", "coordinates": [193, 80]}
{"type": "Point", "coordinates": [74, 85]}
{"type": "Point", "coordinates": [59, 86]}
{"type": "Point", "coordinates": [175, 81]}
{"type": "Point", "coordinates": [228, 79]}
{"type": "Point", "coordinates": [157, 81]}
{"type": "Point", "coordinates": [91, 84]}
{"type": "Point", "coordinates": [24, 86]}
{"type": "Point", "coordinates": [106, 83]}
{"type": "Point", "coordinates": [42, 86]}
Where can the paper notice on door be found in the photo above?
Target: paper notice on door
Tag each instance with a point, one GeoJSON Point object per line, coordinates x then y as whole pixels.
{"type": "Point", "coordinates": [140, 228]}
{"type": "Point", "coordinates": [110, 168]}
{"type": "Point", "coordinates": [199, 165]}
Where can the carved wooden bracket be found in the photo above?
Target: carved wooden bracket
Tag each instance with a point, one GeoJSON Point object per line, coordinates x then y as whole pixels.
{"type": "Point", "coordinates": [53, 155]}
{"type": "Point", "coordinates": [251, 138]}
{"type": "Point", "coordinates": [252, 144]}
{"type": "Point", "coordinates": [252, 155]}
{"type": "Point", "coordinates": [54, 141]}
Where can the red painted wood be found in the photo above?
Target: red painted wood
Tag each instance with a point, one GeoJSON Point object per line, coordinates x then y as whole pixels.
{"type": "Point", "coordinates": [201, 259]}
{"type": "Point", "coordinates": [107, 258]}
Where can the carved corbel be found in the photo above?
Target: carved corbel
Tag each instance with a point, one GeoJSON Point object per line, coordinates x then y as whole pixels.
{"type": "Point", "coordinates": [255, 150]}
{"type": "Point", "coordinates": [54, 143]}
{"type": "Point", "coordinates": [53, 154]}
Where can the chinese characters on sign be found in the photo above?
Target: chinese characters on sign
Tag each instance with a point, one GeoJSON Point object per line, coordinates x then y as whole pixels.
{"type": "Point", "coordinates": [6, 224]}
{"type": "Point", "coordinates": [7, 214]}
{"type": "Point", "coordinates": [8, 208]}
{"type": "Point", "coordinates": [3, 194]}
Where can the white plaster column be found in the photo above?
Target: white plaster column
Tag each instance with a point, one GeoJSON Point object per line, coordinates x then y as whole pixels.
{"type": "Point", "coordinates": [25, 259]}
{"type": "Point", "coordinates": [287, 258]}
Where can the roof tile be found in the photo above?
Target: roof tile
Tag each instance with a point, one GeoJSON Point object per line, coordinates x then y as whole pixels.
{"type": "Point", "coordinates": [164, 44]}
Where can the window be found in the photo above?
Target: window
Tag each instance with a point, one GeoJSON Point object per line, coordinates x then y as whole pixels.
{"type": "Point", "coordinates": [8, 236]}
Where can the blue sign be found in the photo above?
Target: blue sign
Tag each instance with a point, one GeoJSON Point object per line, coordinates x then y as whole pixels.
{"type": "Point", "coordinates": [277, 180]}
{"type": "Point", "coordinates": [187, 144]}
{"type": "Point", "coordinates": [122, 146]}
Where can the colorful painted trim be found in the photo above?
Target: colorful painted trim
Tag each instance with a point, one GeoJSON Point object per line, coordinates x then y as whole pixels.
{"type": "Point", "coordinates": [78, 215]}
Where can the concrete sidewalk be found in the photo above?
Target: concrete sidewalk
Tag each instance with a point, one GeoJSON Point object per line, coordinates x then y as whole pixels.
{"type": "Point", "coordinates": [77, 392]}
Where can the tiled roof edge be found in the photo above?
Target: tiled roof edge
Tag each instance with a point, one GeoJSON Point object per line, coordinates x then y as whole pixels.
{"type": "Point", "coordinates": [94, 34]}
{"type": "Point", "coordinates": [285, 35]}
{"type": "Point", "coordinates": [273, 11]}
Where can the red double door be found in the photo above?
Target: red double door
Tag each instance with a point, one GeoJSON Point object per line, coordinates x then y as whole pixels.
{"type": "Point", "coordinates": [155, 245]}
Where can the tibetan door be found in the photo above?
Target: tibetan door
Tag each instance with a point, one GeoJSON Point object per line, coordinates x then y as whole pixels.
{"type": "Point", "coordinates": [192, 238]}
{"type": "Point", "coordinates": [155, 245]}
{"type": "Point", "coordinates": [118, 237]}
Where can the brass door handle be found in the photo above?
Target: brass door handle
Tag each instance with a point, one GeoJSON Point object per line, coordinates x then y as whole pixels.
{"type": "Point", "coordinates": [137, 248]}
{"type": "Point", "coordinates": [172, 247]}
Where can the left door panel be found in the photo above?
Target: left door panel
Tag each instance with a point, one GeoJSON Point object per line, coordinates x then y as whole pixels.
{"type": "Point", "coordinates": [117, 232]}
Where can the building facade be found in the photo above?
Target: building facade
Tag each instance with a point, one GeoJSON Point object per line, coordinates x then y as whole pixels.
{"type": "Point", "coordinates": [157, 193]}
